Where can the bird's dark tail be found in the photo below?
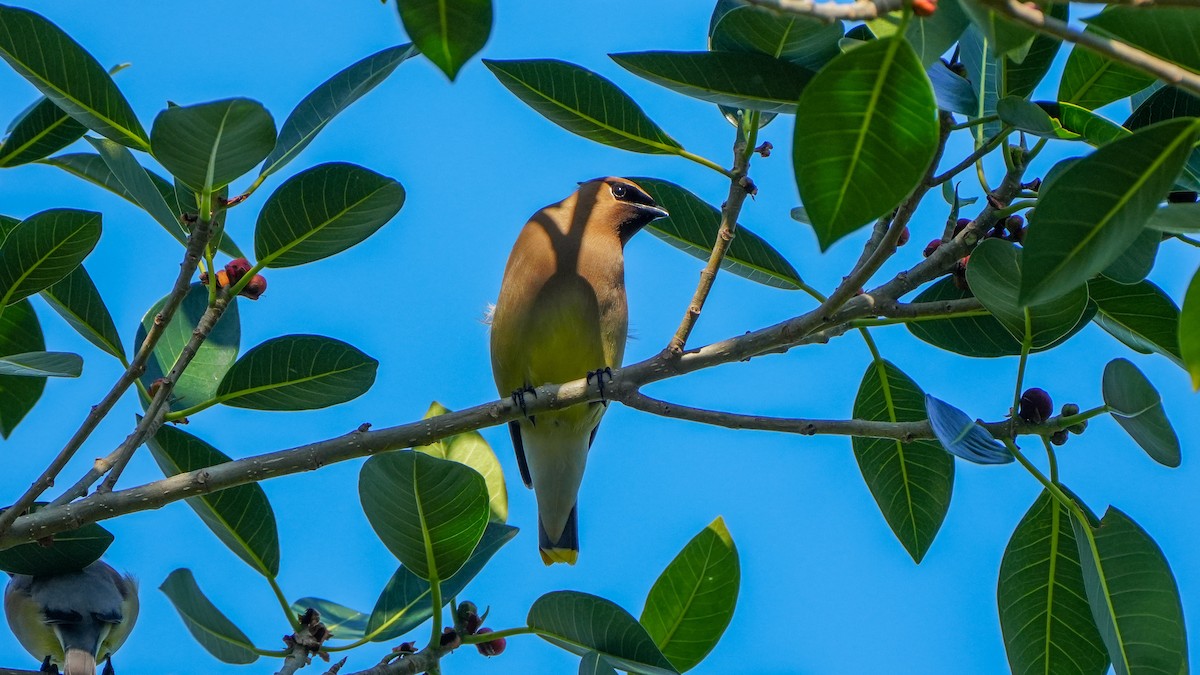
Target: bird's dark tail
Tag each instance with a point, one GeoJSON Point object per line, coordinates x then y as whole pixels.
{"type": "Point", "coordinates": [566, 549]}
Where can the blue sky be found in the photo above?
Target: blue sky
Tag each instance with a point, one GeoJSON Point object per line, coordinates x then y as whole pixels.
{"type": "Point", "coordinates": [826, 588]}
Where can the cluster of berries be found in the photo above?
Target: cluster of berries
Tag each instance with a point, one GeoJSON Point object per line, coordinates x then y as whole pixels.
{"type": "Point", "coordinates": [1037, 407]}
{"type": "Point", "coordinates": [472, 624]}
{"type": "Point", "coordinates": [1011, 229]}
{"type": "Point", "coordinates": [234, 271]}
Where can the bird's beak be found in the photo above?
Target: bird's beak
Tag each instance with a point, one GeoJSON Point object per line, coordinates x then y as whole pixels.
{"type": "Point", "coordinates": [654, 212]}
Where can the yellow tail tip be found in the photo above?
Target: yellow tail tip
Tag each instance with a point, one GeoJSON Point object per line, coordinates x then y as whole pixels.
{"type": "Point", "coordinates": [559, 555]}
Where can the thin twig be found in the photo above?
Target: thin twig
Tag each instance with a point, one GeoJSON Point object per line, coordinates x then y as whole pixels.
{"type": "Point", "coordinates": [191, 258]}
{"type": "Point", "coordinates": [988, 145]}
{"type": "Point", "coordinates": [1162, 69]}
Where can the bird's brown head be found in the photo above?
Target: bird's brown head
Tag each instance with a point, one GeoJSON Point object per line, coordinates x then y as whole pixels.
{"type": "Point", "coordinates": [622, 203]}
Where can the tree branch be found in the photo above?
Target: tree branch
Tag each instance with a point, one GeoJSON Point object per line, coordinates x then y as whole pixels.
{"type": "Point", "coordinates": [191, 258]}
{"type": "Point", "coordinates": [859, 10]}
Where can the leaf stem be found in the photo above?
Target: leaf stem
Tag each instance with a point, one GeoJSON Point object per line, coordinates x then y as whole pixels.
{"type": "Point", "coordinates": [283, 603]}
{"type": "Point", "coordinates": [975, 122]}
{"type": "Point", "coordinates": [435, 595]}
{"type": "Point", "coordinates": [1026, 345]}
{"type": "Point", "coordinates": [488, 637]}
{"type": "Point", "coordinates": [704, 161]}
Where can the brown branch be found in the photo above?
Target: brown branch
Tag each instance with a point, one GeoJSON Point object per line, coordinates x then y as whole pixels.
{"type": "Point", "coordinates": [191, 259]}
{"type": "Point", "coordinates": [1162, 69]}
{"type": "Point", "coordinates": [426, 660]}
{"type": "Point", "coordinates": [829, 11]}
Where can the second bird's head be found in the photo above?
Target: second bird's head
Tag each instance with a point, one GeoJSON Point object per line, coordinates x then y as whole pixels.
{"type": "Point", "coordinates": [631, 207]}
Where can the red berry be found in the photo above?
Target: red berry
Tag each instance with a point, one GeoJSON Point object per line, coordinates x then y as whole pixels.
{"type": "Point", "coordinates": [960, 274]}
{"type": "Point", "coordinates": [256, 287]}
{"type": "Point", "coordinates": [924, 7]}
{"type": "Point", "coordinates": [1036, 406]}
{"type": "Point", "coordinates": [492, 648]}
{"type": "Point", "coordinates": [931, 247]}
{"type": "Point", "coordinates": [236, 269]}
{"type": "Point", "coordinates": [904, 237]}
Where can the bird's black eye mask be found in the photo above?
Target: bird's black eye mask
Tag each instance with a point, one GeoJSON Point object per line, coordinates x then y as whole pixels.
{"type": "Point", "coordinates": [624, 192]}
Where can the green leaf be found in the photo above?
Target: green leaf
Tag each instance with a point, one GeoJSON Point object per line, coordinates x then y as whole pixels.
{"type": "Point", "coordinates": [448, 32]}
{"type": "Point", "coordinates": [690, 605]}
{"type": "Point", "coordinates": [1044, 612]}
{"type": "Point", "coordinates": [800, 40]}
{"type": "Point", "coordinates": [42, 131]}
{"type": "Point", "coordinates": [20, 332]}
{"type": "Point", "coordinates": [44, 249]}
{"type": "Point", "coordinates": [297, 372]}
{"type": "Point", "coordinates": [1169, 103]}
{"type": "Point", "coordinates": [471, 449]}
{"type": "Point", "coordinates": [1136, 262]}
{"type": "Point", "coordinates": [76, 299]}
{"type": "Point", "coordinates": [1141, 315]}
{"type": "Point", "coordinates": [934, 35]}
{"type": "Point", "coordinates": [994, 274]}
{"type": "Point", "coordinates": [1189, 331]}
{"type": "Point", "coordinates": [1171, 33]}
{"type": "Point", "coordinates": [738, 79]}
{"type": "Point", "coordinates": [583, 103]}
{"type": "Point", "coordinates": [1176, 219]}
{"type": "Point", "coordinates": [240, 516]}
{"type": "Point", "coordinates": [593, 663]}
{"type": "Point", "coordinates": [139, 186]}
{"type": "Point", "coordinates": [93, 169]}
{"type": "Point", "coordinates": [986, 74]}
{"type": "Point", "coordinates": [200, 380]}
{"type": "Point", "coordinates": [1136, 405]}
{"type": "Point", "coordinates": [866, 131]}
{"type": "Point", "coordinates": [68, 551]}
{"type": "Point", "coordinates": [322, 211]}
{"type": "Point", "coordinates": [343, 622]}
{"type": "Point", "coordinates": [208, 145]}
{"type": "Point", "coordinates": [1020, 79]}
{"type": "Point", "coordinates": [1098, 207]}
{"type": "Point", "coordinates": [1090, 80]}
{"type": "Point", "coordinates": [1031, 118]}
{"type": "Point", "coordinates": [1133, 596]}
{"type": "Point", "coordinates": [68, 75]}
{"type": "Point", "coordinates": [430, 513]}
{"type": "Point", "coordinates": [977, 336]}
{"type": "Point", "coordinates": [330, 99]}
{"type": "Point", "coordinates": [205, 622]}
{"type": "Point", "coordinates": [582, 623]}
{"type": "Point", "coordinates": [405, 604]}
{"type": "Point", "coordinates": [911, 482]}
{"type": "Point", "coordinates": [693, 226]}
{"type": "Point", "coordinates": [41, 364]}
{"type": "Point", "coordinates": [1094, 129]}
{"type": "Point", "coordinates": [1008, 37]}
{"type": "Point", "coordinates": [954, 93]}
{"type": "Point", "coordinates": [962, 436]}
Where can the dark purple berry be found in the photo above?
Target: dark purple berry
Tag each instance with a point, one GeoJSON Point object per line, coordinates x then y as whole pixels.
{"type": "Point", "coordinates": [961, 225]}
{"type": "Point", "coordinates": [492, 648]}
{"type": "Point", "coordinates": [1059, 437]}
{"type": "Point", "coordinates": [931, 247]}
{"type": "Point", "coordinates": [904, 237]}
{"type": "Point", "coordinates": [1069, 409]}
{"type": "Point", "coordinates": [1182, 197]}
{"type": "Point", "coordinates": [1036, 406]}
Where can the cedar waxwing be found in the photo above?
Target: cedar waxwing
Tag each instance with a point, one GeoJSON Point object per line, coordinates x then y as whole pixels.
{"type": "Point", "coordinates": [562, 315]}
{"type": "Point", "coordinates": [74, 619]}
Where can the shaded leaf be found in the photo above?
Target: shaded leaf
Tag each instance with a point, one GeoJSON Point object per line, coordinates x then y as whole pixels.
{"type": "Point", "coordinates": [471, 449]}
{"type": "Point", "coordinates": [583, 103]}
{"type": "Point", "coordinates": [739, 79]}
{"type": "Point", "coordinates": [208, 145]}
{"type": "Point", "coordinates": [932, 36]}
{"type": "Point", "coordinates": [1176, 218]}
{"type": "Point", "coordinates": [1136, 405]}
{"type": "Point", "coordinates": [978, 336]}
{"type": "Point", "coordinates": [1141, 315]}
{"type": "Point", "coordinates": [911, 482]}
{"type": "Point", "coordinates": [448, 32]}
{"type": "Point", "coordinates": [68, 75]}
{"type": "Point", "coordinates": [139, 186]}
{"type": "Point", "coordinates": [866, 131]}
{"type": "Point", "coordinates": [693, 226]}
{"type": "Point", "coordinates": [322, 211]}
{"type": "Point", "coordinates": [1094, 129]}
{"type": "Point", "coordinates": [583, 623]}
{"type": "Point", "coordinates": [343, 622]}
{"type": "Point", "coordinates": [986, 75]}
{"type": "Point", "coordinates": [20, 332]}
{"type": "Point", "coordinates": [962, 436]}
{"type": "Point", "coordinates": [801, 40]}
{"type": "Point", "coordinates": [954, 93]}
{"type": "Point", "coordinates": [593, 663]}
{"type": "Point", "coordinates": [76, 299]}
{"type": "Point", "coordinates": [430, 513]}
{"type": "Point", "coordinates": [40, 132]}
{"type": "Point", "coordinates": [212, 629]}
{"type": "Point", "coordinates": [1189, 330]}
{"type": "Point", "coordinates": [297, 372]}
{"type": "Point", "coordinates": [44, 249]}
{"type": "Point", "coordinates": [1020, 79]}
{"type": "Point", "coordinates": [68, 551]}
{"type": "Point", "coordinates": [240, 516]}
{"type": "Point", "coordinates": [1136, 262]}
{"type": "Point", "coordinates": [690, 605]}
{"type": "Point", "coordinates": [1031, 118]}
{"type": "Point", "coordinates": [41, 364]}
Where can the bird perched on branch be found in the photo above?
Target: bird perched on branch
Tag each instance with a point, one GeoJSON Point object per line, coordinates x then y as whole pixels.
{"type": "Point", "coordinates": [75, 619]}
{"type": "Point", "coordinates": [562, 315]}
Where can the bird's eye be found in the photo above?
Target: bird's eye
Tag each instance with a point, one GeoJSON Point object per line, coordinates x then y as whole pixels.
{"type": "Point", "coordinates": [619, 191]}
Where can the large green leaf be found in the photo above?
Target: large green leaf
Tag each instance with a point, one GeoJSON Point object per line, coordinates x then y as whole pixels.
{"type": "Point", "coordinates": [693, 226]}
{"type": "Point", "coordinates": [471, 449]}
{"type": "Point", "coordinates": [1141, 315]}
{"type": "Point", "coordinates": [216, 355]}
{"type": "Point", "coordinates": [1032, 119]}
{"type": "Point", "coordinates": [583, 103]}
{"type": "Point", "coordinates": [801, 40]}
{"type": "Point", "coordinates": [342, 622]}
{"type": "Point", "coordinates": [593, 663]}
{"type": "Point", "coordinates": [212, 629]}
{"type": "Point", "coordinates": [1133, 596]}
{"type": "Point", "coordinates": [139, 186]}
{"type": "Point", "coordinates": [1136, 262]}
{"type": "Point", "coordinates": [76, 299]}
{"type": "Point", "coordinates": [93, 169]}
{"type": "Point", "coordinates": [42, 131]}
{"type": "Point", "coordinates": [429, 512]}
{"type": "Point", "coordinates": [911, 482]}
{"type": "Point", "coordinates": [41, 364]}
{"type": "Point", "coordinates": [690, 605]}
{"type": "Point", "coordinates": [866, 131]}
{"type": "Point", "coordinates": [20, 333]}
{"type": "Point", "coordinates": [68, 75]}
{"type": "Point", "coordinates": [994, 274]}
{"type": "Point", "coordinates": [322, 211]}
{"type": "Point", "coordinates": [1094, 129]}
{"type": "Point", "coordinates": [954, 92]}
{"type": "Point", "coordinates": [1176, 219]}
{"type": "Point", "coordinates": [1010, 39]}
{"type": "Point", "coordinates": [448, 32]}
{"type": "Point", "coordinates": [1020, 79]}
{"type": "Point", "coordinates": [739, 79]}
{"type": "Point", "coordinates": [932, 36]}
{"type": "Point", "coordinates": [1098, 207]}
{"type": "Point", "coordinates": [1169, 103]}
{"type": "Point", "coordinates": [68, 551]}
{"type": "Point", "coordinates": [1136, 405]}
{"type": "Point", "coordinates": [297, 372]}
{"type": "Point", "coordinates": [328, 100]}
{"type": "Point", "coordinates": [240, 516]}
{"type": "Point", "coordinates": [583, 623]}
{"type": "Point", "coordinates": [44, 249]}
{"type": "Point", "coordinates": [405, 604]}
{"type": "Point", "coordinates": [208, 145]}
{"type": "Point", "coordinates": [1189, 330]}
{"type": "Point", "coordinates": [1043, 605]}
{"type": "Point", "coordinates": [978, 336]}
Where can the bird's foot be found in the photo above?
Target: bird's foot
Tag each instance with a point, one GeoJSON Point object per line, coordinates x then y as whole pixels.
{"type": "Point", "coordinates": [108, 667]}
{"type": "Point", "coordinates": [48, 667]}
{"type": "Point", "coordinates": [599, 374]}
{"type": "Point", "coordinates": [518, 399]}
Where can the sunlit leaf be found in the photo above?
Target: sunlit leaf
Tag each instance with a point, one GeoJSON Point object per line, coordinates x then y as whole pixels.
{"type": "Point", "coordinates": [297, 372]}
{"type": "Point", "coordinates": [208, 145]}
{"type": "Point", "coordinates": [1189, 330]}
{"type": "Point", "coordinates": [471, 449]}
{"type": "Point", "coordinates": [40, 132]}
{"type": "Point", "coordinates": [448, 32]}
